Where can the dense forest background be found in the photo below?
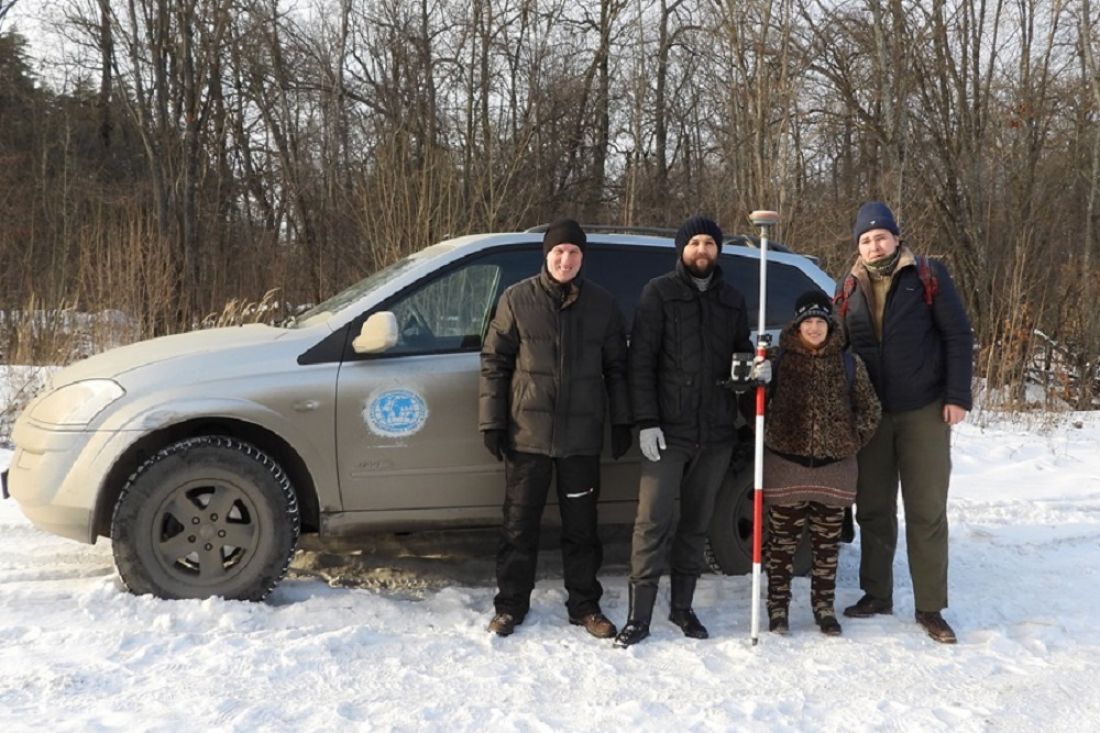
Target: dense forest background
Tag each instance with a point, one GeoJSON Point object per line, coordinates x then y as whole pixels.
{"type": "Point", "coordinates": [164, 158]}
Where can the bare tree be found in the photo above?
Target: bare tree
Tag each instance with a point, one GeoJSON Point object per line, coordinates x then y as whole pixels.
{"type": "Point", "coordinates": [199, 151]}
{"type": "Point", "coordinates": [5, 8]}
{"type": "Point", "coordinates": [1087, 39]}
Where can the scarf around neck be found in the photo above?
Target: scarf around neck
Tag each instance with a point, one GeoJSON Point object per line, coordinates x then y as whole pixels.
{"type": "Point", "coordinates": [883, 268]}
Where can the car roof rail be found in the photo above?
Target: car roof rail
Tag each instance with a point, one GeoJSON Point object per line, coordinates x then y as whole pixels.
{"type": "Point", "coordinates": [748, 240]}
{"type": "Point", "coordinates": [613, 229]}
{"type": "Point", "coordinates": [735, 240]}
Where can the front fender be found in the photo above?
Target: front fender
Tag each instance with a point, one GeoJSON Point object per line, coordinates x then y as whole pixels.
{"type": "Point", "coordinates": [305, 426]}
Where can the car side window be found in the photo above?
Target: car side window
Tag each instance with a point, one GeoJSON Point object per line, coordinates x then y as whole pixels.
{"type": "Point", "coordinates": [449, 311]}
{"type": "Point", "coordinates": [446, 314]}
{"type": "Point", "coordinates": [625, 271]}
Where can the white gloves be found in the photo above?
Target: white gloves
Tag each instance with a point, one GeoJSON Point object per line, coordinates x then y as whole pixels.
{"type": "Point", "coordinates": [652, 440]}
{"type": "Point", "coordinates": [649, 440]}
{"type": "Point", "coordinates": [761, 370]}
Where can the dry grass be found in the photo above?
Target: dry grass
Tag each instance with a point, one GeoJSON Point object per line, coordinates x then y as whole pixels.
{"type": "Point", "coordinates": [238, 311]}
{"type": "Point", "coordinates": [41, 334]}
{"type": "Point", "coordinates": [18, 386]}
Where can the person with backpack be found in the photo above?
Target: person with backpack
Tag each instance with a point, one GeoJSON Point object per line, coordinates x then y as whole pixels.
{"type": "Point", "coordinates": [822, 409]}
{"type": "Point", "coordinates": [905, 319]}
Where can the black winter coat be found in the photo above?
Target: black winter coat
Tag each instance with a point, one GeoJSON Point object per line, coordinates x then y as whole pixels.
{"type": "Point", "coordinates": [925, 352]}
{"type": "Point", "coordinates": [680, 349]}
{"type": "Point", "coordinates": [549, 357]}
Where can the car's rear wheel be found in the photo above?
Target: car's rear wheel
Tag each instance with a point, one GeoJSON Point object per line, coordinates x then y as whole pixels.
{"type": "Point", "coordinates": [729, 545]}
{"type": "Point", "coordinates": [207, 516]}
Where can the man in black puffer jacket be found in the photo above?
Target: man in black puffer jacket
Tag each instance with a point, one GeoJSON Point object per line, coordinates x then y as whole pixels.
{"type": "Point", "coordinates": [556, 345]}
{"type": "Point", "coordinates": [687, 327]}
{"type": "Point", "coordinates": [907, 322]}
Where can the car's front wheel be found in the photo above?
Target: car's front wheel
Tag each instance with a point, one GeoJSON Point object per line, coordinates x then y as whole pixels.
{"type": "Point", "coordinates": [729, 545]}
{"type": "Point", "coordinates": [206, 516]}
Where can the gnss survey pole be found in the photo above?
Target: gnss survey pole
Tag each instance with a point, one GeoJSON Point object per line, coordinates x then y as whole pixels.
{"type": "Point", "coordinates": [765, 220]}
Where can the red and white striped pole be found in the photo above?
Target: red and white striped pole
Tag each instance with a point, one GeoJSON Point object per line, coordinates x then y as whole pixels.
{"type": "Point", "coordinates": [765, 220]}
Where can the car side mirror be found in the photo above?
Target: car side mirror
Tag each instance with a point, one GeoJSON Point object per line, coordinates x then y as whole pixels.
{"type": "Point", "coordinates": [379, 333]}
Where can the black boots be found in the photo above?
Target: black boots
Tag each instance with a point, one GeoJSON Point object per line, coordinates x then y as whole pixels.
{"type": "Point", "coordinates": [680, 613]}
{"type": "Point", "coordinates": [642, 598]}
{"type": "Point", "coordinates": [778, 622]}
{"type": "Point", "coordinates": [828, 624]}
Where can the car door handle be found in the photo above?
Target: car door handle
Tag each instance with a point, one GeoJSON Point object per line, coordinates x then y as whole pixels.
{"type": "Point", "coordinates": [305, 405]}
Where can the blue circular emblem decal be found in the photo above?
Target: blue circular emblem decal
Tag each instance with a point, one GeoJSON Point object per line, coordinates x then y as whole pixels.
{"type": "Point", "coordinates": [396, 413]}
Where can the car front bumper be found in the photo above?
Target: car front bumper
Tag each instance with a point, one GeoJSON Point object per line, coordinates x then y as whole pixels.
{"type": "Point", "coordinates": [55, 475]}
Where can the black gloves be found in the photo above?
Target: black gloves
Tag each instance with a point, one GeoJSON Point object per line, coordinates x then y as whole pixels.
{"type": "Point", "coordinates": [621, 440]}
{"type": "Point", "coordinates": [497, 442]}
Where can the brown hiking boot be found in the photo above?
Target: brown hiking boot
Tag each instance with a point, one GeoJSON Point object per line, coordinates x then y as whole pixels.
{"type": "Point", "coordinates": [596, 624]}
{"type": "Point", "coordinates": [868, 606]}
{"type": "Point", "coordinates": [503, 624]}
{"type": "Point", "coordinates": [936, 627]}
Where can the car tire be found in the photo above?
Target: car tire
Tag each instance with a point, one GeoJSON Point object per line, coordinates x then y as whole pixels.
{"type": "Point", "coordinates": [207, 516]}
{"type": "Point", "coordinates": [729, 545]}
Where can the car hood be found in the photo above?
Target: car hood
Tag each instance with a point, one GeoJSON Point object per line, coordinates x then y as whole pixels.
{"type": "Point", "coordinates": [194, 345]}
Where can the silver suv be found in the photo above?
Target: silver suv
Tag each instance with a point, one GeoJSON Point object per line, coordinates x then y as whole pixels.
{"type": "Point", "coordinates": [204, 455]}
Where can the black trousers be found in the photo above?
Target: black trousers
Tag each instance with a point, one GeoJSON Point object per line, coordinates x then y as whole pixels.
{"type": "Point", "coordinates": [661, 538]}
{"type": "Point", "coordinates": [528, 482]}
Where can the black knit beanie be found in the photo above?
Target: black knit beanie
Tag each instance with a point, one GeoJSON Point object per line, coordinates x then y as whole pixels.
{"type": "Point", "coordinates": [813, 304]}
{"type": "Point", "coordinates": [563, 231]}
{"type": "Point", "coordinates": [697, 225]}
{"type": "Point", "coordinates": [874, 215]}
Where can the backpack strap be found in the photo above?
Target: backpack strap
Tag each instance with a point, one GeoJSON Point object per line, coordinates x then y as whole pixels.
{"type": "Point", "coordinates": [928, 279]}
{"type": "Point", "coordinates": [841, 300]}
{"type": "Point", "coordinates": [849, 367]}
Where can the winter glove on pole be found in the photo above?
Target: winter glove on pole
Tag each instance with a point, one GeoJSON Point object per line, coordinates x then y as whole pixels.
{"type": "Point", "coordinates": [621, 440]}
{"type": "Point", "coordinates": [650, 440]}
{"type": "Point", "coordinates": [496, 442]}
{"type": "Point", "coordinates": [761, 372]}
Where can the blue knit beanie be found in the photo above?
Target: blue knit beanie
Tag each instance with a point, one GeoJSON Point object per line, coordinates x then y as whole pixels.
{"type": "Point", "coordinates": [874, 215]}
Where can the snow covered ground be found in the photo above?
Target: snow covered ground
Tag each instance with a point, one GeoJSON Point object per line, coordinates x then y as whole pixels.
{"type": "Point", "coordinates": [77, 653]}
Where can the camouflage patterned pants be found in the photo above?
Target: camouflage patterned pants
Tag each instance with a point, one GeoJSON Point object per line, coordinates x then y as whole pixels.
{"type": "Point", "coordinates": [785, 525]}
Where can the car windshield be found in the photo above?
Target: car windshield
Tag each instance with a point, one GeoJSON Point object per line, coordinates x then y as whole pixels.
{"type": "Point", "coordinates": [336, 303]}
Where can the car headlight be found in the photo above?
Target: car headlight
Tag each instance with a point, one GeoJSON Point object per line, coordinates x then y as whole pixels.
{"type": "Point", "coordinates": [76, 404]}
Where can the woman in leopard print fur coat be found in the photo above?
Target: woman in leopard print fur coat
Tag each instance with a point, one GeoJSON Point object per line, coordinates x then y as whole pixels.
{"type": "Point", "coordinates": [822, 409]}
